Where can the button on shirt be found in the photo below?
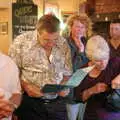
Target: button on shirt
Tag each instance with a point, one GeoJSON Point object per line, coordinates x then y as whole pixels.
{"type": "Point", "coordinates": [33, 61]}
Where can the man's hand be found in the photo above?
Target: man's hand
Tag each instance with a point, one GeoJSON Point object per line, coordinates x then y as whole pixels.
{"type": "Point", "coordinates": [32, 90]}
{"type": "Point", "coordinates": [64, 93]}
{"type": "Point", "coordinates": [116, 82]}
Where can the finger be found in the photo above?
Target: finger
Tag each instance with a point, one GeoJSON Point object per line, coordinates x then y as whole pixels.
{"type": "Point", "coordinates": [116, 82]}
{"type": "Point", "coordinates": [102, 89]}
{"type": "Point", "coordinates": [103, 86]}
{"type": "Point", "coordinates": [3, 103]}
{"type": "Point", "coordinates": [1, 96]}
{"type": "Point", "coordinates": [2, 114]}
{"type": "Point", "coordinates": [115, 86]}
{"type": "Point", "coordinates": [7, 114]}
{"type": "Point", "coordinates": [7, 108]}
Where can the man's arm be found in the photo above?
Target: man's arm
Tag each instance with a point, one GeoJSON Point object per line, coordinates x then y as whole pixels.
{"type": "Point", "coordinates": [31, 89]}
{"type": "Point", "coordinates": [67, 68]}
{"type": "Point", "coordinates": [15, 50]}
{"type": "Point", "coordinates": [68, 60]}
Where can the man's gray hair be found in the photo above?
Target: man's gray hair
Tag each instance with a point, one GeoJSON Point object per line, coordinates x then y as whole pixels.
{"type": "Point", "coordinates": [97, 48]}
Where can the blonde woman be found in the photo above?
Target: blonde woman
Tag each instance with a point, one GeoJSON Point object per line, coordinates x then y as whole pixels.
{"type": "Point", "coordinates": [79, 29]}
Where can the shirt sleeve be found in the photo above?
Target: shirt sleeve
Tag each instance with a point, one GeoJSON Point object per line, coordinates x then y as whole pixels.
{"type": "Point", "coordinates": [16, 87]}
{"type": "Point", "coordinates": [15, 50]}
{"type": "Point", "coordinates": [68, 60]}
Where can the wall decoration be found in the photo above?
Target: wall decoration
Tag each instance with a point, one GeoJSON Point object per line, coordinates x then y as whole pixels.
{"type": "Point", "coordinates": [24, 18]}
{"type": "Point", "coordinates": [3, 27]}
{"type": "Point", "coordinates": [65, 15]}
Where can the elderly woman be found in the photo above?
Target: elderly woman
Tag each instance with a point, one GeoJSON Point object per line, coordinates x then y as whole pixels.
{"type": "Point", "coordinates": [95, 86]}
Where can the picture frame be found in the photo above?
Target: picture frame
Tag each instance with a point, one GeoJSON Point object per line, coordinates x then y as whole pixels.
{"type": "Point", "coordinates": [65, 15]}
{"type": "Point", "coordinates": [3, 28]}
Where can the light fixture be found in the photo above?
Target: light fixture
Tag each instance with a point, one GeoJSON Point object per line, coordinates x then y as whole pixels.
{"type": "Point", "coordinates": [97, 16]}
{"type": "Point", "coordinates": [119, 16]}
{"type": "Point", "coordinates": [106, 18]}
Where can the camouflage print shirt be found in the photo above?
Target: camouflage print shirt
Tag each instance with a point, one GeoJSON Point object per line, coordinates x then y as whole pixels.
{"type": "Point", "coordinates": [33, 62]}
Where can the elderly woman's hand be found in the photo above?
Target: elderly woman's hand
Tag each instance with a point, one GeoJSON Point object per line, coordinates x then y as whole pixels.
{"type": "Point", "coordinates": [98, 88]}
{"type": "Point", "coordinates": [116, 82]}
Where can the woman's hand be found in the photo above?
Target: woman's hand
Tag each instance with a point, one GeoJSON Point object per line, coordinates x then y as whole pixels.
{"type": "Point", "coordinates": [78, 43]}
{"type": "Point", "coordinates": [98, 88]}
{"type": "Point", "coordinates": [116, 82]}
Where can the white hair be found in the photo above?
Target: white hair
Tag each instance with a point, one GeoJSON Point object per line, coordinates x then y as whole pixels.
{"type": "Point", "coordinates": [97, 48]}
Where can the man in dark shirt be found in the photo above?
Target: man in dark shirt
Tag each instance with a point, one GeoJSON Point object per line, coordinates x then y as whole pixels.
{"type": "Point", "coordinates": [114, 41]}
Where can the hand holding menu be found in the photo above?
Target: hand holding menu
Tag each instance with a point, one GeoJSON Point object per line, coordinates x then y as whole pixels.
{"type": "Point", "coordinates": [74, 81]}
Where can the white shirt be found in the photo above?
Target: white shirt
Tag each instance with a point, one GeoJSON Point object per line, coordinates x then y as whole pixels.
{"type": "Point", "coordinates": [9, 77]}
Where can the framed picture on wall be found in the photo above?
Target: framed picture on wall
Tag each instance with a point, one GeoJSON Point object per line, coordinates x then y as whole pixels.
{"type": "Point", "coordinates": [65, 15]}
{"type": "Point", "coordinates": [3, 27]}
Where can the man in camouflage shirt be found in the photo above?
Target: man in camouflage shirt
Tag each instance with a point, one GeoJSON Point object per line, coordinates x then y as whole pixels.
{"type": "Point", "coordinates": [43, 57]}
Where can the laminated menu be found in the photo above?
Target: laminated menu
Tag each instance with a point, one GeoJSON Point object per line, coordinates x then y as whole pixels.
{"type": "Point", "coordinates": [73, 81]}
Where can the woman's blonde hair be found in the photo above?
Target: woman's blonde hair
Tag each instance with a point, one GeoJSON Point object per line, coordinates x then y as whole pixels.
{"type": "Point", "coordinates": [84, 19]}
{"type": "Point", "coordinates": [97, 48]}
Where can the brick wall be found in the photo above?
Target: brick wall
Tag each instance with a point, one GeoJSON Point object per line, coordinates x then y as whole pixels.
{"type": "Point", "coordinates": [107, 6]}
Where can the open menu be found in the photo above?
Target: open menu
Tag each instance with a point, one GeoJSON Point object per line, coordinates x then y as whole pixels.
{"type": "Point", "coordinates": [74, 81]}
